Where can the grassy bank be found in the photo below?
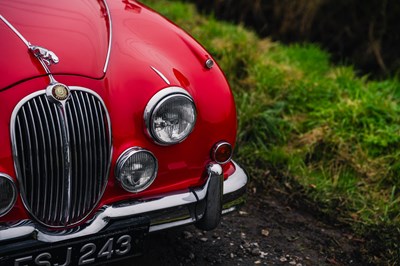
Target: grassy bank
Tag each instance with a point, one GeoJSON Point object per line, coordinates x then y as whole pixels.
{"type": "Point", "coordinates": [308, 126]}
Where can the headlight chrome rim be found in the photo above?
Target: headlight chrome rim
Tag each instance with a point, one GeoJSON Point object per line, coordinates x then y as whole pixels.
{"type": "Point", "coordinates": [14, 196]}
{"type": "Point", "coordinates": [156, 102]}
{"type": "Point", "coordinates": [124, 157]}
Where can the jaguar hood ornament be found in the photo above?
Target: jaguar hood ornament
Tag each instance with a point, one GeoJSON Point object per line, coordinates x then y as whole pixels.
{"type": "Point", "coordinates": [55, 91]}
{"type": "Point", "coordinates": [44, 54]}
{"type": "Point", "coordinates": [52, 33]}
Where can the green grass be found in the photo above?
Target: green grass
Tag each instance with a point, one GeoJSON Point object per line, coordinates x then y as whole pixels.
{"type": "Point", "coordinates": [302, 120]}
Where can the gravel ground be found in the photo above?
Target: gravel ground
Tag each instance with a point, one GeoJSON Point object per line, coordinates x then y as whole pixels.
{"type": "Point", "coordinates": [266, 231]}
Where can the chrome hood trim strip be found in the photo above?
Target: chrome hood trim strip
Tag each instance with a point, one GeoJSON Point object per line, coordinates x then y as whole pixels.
{"type": "Point", "coordinates": [109, 36]}
{"type": "Point", "coordinates": [28, 44]}
{"type": "Point", "coordinates": [162, 76]}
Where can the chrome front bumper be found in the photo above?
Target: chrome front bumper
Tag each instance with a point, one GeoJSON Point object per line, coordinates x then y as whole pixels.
{"type": "Point", "coordinates": [164, 212]}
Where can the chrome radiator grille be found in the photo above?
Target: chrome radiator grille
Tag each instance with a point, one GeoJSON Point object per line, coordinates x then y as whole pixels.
{"type": "Point", "coordinates": [62, 155]}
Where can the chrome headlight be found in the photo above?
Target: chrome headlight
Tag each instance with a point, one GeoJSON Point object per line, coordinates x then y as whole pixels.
{"type": "Point", "coordinates": [170, 116]}
{"type": "Point", "coordinates": [8, 194]}
{"type": "Point", "coordinates": [136, 169]}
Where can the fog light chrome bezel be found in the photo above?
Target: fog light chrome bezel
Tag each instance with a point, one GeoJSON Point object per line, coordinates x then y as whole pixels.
{"type": "Point", "coordinates": [14, 196]}
{"type": "Point", "coordinates": [124, 157]}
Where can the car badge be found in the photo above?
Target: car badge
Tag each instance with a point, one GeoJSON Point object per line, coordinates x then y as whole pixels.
{"type": "Point", "coordinates": [60, 92]}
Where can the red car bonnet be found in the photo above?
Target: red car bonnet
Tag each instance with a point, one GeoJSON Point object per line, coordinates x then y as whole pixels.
{"type": "Point", "coordinates": [76, 31]}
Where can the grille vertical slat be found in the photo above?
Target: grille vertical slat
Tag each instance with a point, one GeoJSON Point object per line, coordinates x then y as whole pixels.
{"type": "Point", "coordinates": [59, 175]}
{"type": "Point", "coordinates": [42, 170]}
{"type": "Point", "coordinates": [93, 150]}
{"type": "Point", "coordinates": [88, 195]}
{"type": "Point", "coordinates": [30, 193]}
{"type": "Point", "coordinates": [78, 159]}
{"type": "Point", "coordinates": [73, 161]}
{"type": "Point", "coordinates": [74, 174]}
{"type": "Point", "coordinates": [61, 182]}
{"type": "Point", "coordinates": [83, 157]}
{"type": "Point", "coordinates": [54, 161]}
{"type": "Point", "coordinates": [103, 131]}
{"type": "Point", "coordinates": [57, 164]}
{"type": "Point", "coordinates": [98, 122]}
{"type": "Point", "coordinates": [36, 165]}
{"type": "Point", "coordinates": [20, 140]}
{"type": "Point", "coordinates": [49, 159]}
{"type": "Point", "coordinates": [85, 151]}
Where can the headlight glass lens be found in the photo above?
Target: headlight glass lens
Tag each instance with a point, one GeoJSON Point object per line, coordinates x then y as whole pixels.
{"type": "Point", "coordinates": [8, 194]}
{"type": "Point", "coordinates": [136, 169]}
{"type": "Point", "coordinates": [172, 119]}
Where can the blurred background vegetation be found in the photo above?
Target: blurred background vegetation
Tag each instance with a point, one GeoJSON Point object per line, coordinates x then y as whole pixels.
{"type": "Point", "coordinates": [314, 128]}
{"type": "Point", "coordinates": [363, 33]}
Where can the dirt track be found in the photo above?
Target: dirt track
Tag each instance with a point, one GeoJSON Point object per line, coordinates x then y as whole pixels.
{"type": "Point", "coordinates": [265, 232]}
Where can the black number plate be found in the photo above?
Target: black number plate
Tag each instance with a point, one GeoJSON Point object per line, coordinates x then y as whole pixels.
{"type": "Point", "coordinates": [85, 251]}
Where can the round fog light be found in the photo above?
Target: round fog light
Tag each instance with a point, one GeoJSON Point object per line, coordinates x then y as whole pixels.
{"type": "Point", "coordinates": [221, 152]}
{"type": "Point", "coordinates": [136, 169]}
{"type": "Point", "coordinates": [8, 194]}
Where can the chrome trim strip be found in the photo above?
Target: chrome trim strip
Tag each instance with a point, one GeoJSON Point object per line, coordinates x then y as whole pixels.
{"type": "Point", "coordinates": [160, 227]}
{"type": "Point", "coordinates": [44, 127]}
{"type": "Point", "coordinates": [235, 182]}
{"type": "Point", "coordinates": [28, 44]}
{"type": "Point", "coordinates": [66, 164]}
{"type": "Point", "coordinates": [163, 77]}
{"type": "Point", "coordinates": [17, 232]}
{"type": "Point", "coordinates": [60, 163]}
{"type": "Point", "coordinates": [74, 170]}
{"type": "Point", "coordinates": [109, 36]}
{"type": "Point", "coordinates": [14, 198]}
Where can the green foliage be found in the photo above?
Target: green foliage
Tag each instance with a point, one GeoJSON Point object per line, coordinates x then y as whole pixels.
{"type": "Point", "coordinates": [319, 126]}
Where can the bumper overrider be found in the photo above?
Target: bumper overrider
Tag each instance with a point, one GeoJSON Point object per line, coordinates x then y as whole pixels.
{"type": "Point", "coordinates": [202, 206]}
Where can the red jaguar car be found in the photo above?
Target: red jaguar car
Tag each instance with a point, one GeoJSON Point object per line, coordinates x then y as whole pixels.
{"type": "Point", "coordinates": [114, 123]}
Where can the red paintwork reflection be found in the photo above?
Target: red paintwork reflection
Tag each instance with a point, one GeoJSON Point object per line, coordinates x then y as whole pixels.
{"type": "Point", "coordinates": [75, 30]}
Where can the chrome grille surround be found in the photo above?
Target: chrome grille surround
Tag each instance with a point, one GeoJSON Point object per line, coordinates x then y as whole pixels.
{"type": "Point", "coordinates": [62, 155]}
